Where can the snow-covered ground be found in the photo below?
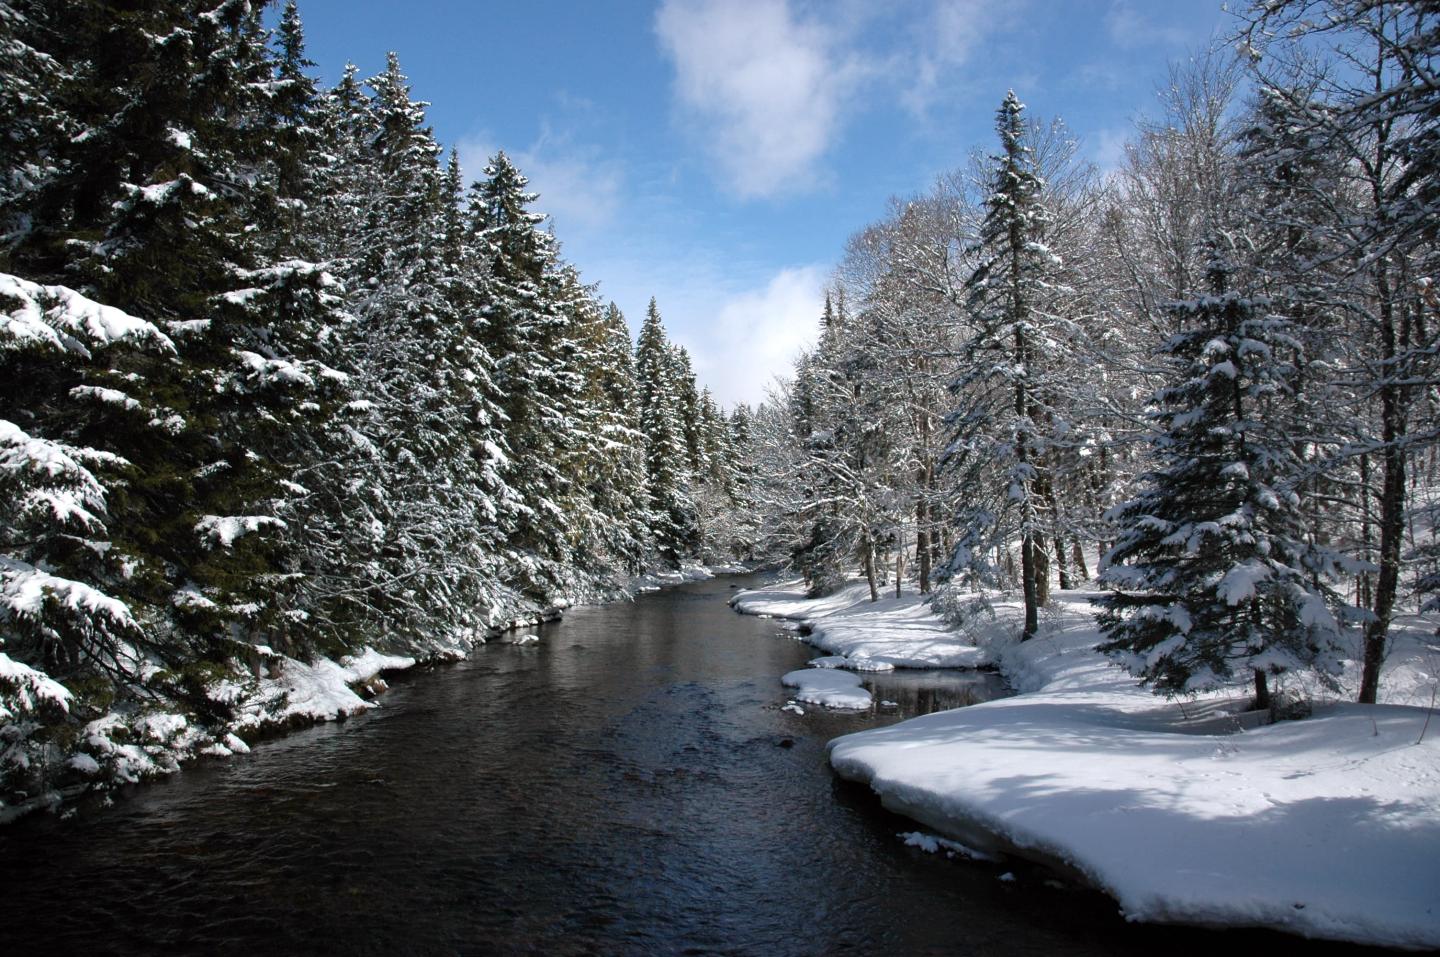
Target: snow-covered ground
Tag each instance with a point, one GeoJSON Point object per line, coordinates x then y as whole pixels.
{"type": "Point", "coordinates": [891, 633]}
{"type": "Point", "coordinates": [1184, 811]}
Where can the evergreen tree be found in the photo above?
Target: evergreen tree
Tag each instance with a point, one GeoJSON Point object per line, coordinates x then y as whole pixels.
{"type": "Point", "coordinates": [666, 454]}
{"type": "Point", "coordinates": [1214, 569]}
{"type": "Point", "coordinates": [1008, 296]}
{"type": "Point", "coordinates": [612, 454]}
{"type": "Point", "coordinates": [529, 334]}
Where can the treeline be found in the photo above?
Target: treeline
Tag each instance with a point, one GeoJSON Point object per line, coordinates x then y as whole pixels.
{"type": "Point", "coordinates": [1209, 377]}
{"type": "Point", "coordinates": [275, 381]}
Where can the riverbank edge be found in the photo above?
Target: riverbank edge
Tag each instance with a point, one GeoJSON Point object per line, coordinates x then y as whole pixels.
{"type": "Point", "coordinates": [285, 695]}
{"type": "Point", "coordinates": [1068, 673]}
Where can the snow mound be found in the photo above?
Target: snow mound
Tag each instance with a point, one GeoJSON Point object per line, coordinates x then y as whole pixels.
{"type": "Point", "coordinates": [830, 689]}
{"type": "Point", "coordinates": [876, 636]}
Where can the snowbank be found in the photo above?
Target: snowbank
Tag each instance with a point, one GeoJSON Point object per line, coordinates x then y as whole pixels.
{"type": "Point", "coordinates": [832, 689]}
{"type": "Point", "coordinates": [1327, 827]}
{"type": "Point", "coordinates": [871, 636]}
{"type": "Point", "coordinates": [655, 579]}
{"type": "Point", "coordinates": [297, 692]}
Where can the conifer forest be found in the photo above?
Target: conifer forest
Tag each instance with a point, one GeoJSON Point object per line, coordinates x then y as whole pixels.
{"type": "Point", "coordinates": [283, 389]}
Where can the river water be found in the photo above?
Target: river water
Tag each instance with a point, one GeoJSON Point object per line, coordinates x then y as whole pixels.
{"type": "Point", "coordinates": [628, 785]}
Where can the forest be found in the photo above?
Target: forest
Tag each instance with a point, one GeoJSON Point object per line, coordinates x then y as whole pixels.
{"type": "Point", "coordinates": [1206, 382]}
{"type": "Point", "coordinates": [277, 384]}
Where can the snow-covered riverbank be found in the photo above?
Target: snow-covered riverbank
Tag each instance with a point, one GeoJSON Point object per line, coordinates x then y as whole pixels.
{"type": "Point", "coordinates": [279, 693]}
{"type": "Point", "coordinates": [1327, 827]}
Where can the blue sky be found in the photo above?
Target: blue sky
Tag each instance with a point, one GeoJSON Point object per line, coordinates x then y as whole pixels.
{"type": "Point", "coordinates": [717, 154]}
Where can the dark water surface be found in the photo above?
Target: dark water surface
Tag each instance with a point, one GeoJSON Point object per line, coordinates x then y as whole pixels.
{"type": "Point", "coordinates": [626, 786]}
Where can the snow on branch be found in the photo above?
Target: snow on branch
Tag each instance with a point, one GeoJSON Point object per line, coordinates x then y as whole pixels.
{"type": "Point", "coordinates": [59, 318]}
{"type": "Point", "coordinates": [223, 530]}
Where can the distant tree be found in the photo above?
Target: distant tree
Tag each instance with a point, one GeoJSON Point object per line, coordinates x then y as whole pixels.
{"type": "Point", "coordinates": [667, 456]}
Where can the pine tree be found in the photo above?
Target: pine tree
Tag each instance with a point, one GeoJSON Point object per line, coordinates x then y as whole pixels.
{"type": "Point", "coordinates": [529, 335]}
{"type": "Point", "coordinates": [1214, 569]}
{"type": "Point", "coordinates": [611, 456]}
{"type": "Point", "coordinates": [1008, 296]}
{"type": "Point", "coordinates": [666, 453]}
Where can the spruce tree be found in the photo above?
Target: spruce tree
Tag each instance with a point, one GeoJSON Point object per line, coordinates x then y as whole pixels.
{"type": "Point", "coordinates": [667, 457]}
{"type": "Point", "coordinates": [1214, 572]}
{"type": "Point", "coordinates": [1011, 346]}
{"type": "Point", "coordinates": [530, 337]}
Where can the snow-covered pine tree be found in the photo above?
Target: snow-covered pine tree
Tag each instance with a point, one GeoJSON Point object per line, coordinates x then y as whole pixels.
{"type": "Point", "coordinates": [1214, 571]}
{"type": "Point", "coordinates": [530, 337]}
{"type": "Point", "coordinates": [682, 374]}
{"type": "Point", "coordinates": [428, 499]}
{"type": "Point", "coordinates": [156, 212]}
{"type": "Point", "coordinates": [60, 569]}
{"type": "Point", "coordinates": [33, 112]}
{"type": "Point", "coordinates": [294, 124]}
{"type": "Point", "coordinates": [670, 482]}
{"type": "Point", "coordinates": [611, 459]}
{"type": "Point", "coordinates": [746, 513]}
{"type": "Point", "coordinates": [1011, 343]}
{"type": "Point", "coordinates": [1379, 113]}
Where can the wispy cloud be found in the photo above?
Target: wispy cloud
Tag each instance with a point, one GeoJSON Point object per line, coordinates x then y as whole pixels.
{"type": "Point", "coordinates": [766, 86]}
{"type": "Point", "coordinates": [947, 34]}
{"type": "Point", "coordinates": [743, 324]}
{"type": "Point", "coordinates": [1106, 148]}
{"type": "Point", "coordinates": [1132, 29]}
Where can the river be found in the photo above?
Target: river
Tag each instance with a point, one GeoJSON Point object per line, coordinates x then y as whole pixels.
{"type": "Point", "coordinates": [627, 785]}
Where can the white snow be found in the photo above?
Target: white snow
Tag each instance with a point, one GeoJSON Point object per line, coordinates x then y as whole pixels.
{"type": "Point", "coordinates": [320, 690]}
{"type": "Point", "coordinates": [223, 530]}
{"type": "Point", "coordinates": [25, 589]}
{"type": "Point", "coordinates": [107, 396]}
{"type": "Point", "coordinates": [873, 636]}
{"type": "Point", "coordinates": [22, 689]}
{"type": "Point", "coordinates": [58, 317]}
{"type": "Point", "coordinates": [828, 688]}
{"type": "Point", "coordinates": [369, 663]}
{"type": "Point", "coordinates": [931, 844]}
{"type": "Point", "coordinates": [1327, 827]}
{"type": "Point", "coordinates": [267, 372]}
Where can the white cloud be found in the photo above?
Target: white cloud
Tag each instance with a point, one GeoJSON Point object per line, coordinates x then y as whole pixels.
{"type": "Point", "coordinates": [742, 324]}
{"type": "Point", "coordinates": [767, 87]}
{"type": "Point", "coordinates": [757, 334]}
{"type": "Point", "coordinates": [946, 37]}
{"type": "Point", "coordinates": [1106, 148]}
{"type": "Point", "coordinates": [1131, 29]}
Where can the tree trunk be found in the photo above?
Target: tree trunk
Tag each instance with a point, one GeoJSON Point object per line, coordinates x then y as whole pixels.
{"type": "Point", "coordinates": [899, 568]}
{"type": "Point", "coordinates": [922, 539]}
{"type": "Point", "coordinates": [1363, 593]}
{"type": "Point", "coordinates": [870, 568]}
{"type": "Point", "coordinates": [1077, 553]}
{"type": "Point", "coordinates": [1392, 490]}
{"type": "Point", "coordinates": [1392, 529]}
{"type": "Point", "coordinates": [1042, 573]}
{"type": "Point", "coordinates": [1027, 584]}
{"type": "Point", "coordinates": [1262, 690]}
{"type": "Point", "coordinates": [1065, 583]}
